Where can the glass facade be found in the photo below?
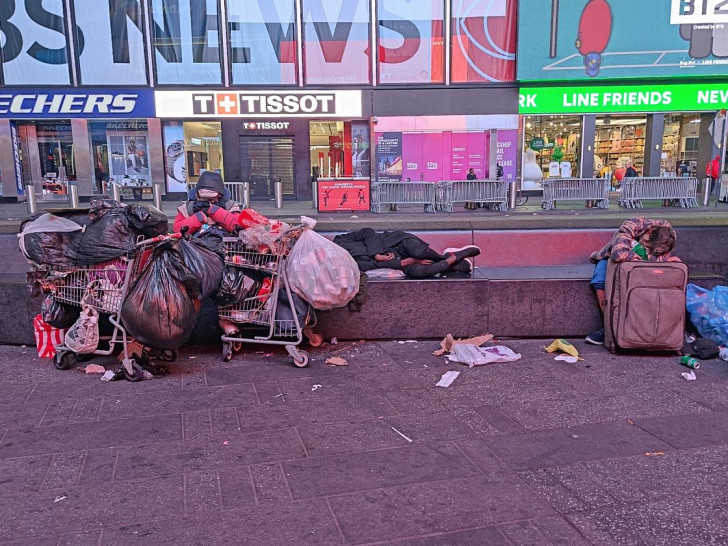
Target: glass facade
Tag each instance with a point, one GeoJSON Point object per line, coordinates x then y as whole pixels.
{"type": "Point", "coordinates": [554, 139]}
{"type": "Point", "coordinates": [120, 153]}
{"type": "Point", "coordinates": [186, 42]}
{"type": "Point", "coordinates": [191, 147]}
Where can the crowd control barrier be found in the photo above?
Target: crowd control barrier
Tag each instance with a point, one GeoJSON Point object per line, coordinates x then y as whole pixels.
{"type": "Point", "coordinates": [681, 191]}
{"type": "Point", "coordinates": [487, 192]}
{"type": "Point", "coordinates": [575, 189]}
{"type": "Point", "coordinates": [403, 193]}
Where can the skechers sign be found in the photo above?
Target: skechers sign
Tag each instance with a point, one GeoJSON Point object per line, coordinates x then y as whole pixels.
{"type": "Point", "coordinates": [81, 103]}
{"type": "Point", "coordinates": [326, 104]}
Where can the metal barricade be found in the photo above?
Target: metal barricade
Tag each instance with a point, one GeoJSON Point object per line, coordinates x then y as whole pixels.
{"type": "Point", "coordinates": [575, 189]}
{"type": "Point", "coordinates": [679, 191]}
{"type": "Point", "coordinates": [488, 192]}
{"type": "Point", "coordinates": [239, 192]}
{"type": "Point", "coordinates": [403, 193]}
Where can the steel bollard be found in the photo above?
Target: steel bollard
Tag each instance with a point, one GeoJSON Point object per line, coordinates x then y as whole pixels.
{"type": "Point", "coordinates": [278, 184]}
{"type": "Point", "coordinates": [246, 195]}
{"type": "Point", "coordinates": [314, 194]}
{"type": "Point", "coordinates": [30, 199]}
{"type": "Point", "coordinates": [157, 195]}
{"type": "Point", "coordinates": [116, 192]}
{"type": "Point", "coordinates": [706, 190]}
{"type": "Point", "coordinates": [73, 195]}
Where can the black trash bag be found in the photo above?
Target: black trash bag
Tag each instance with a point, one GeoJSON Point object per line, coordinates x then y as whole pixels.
{"type": "Point", "coordinates": [304, 310]}
{"type": "Point", "coordinates": [237, 285]}
{"type": "Point", "coordinates": [107, 237]}
{"type": "Point", "coordinates": [45, 239]}
{"type": "Point", "coordinates": [148, 222]}
{"type": "Point", "coordinates": [160, 310]}
{"type": "Point", "coordinates": [57, 314]}
{"type": "Point", "coordinates": [207, 266]}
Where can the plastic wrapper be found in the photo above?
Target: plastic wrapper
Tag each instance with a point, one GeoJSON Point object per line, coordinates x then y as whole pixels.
{"type": "Point", "coordinates": [709, 312]}
{"type": "Point", "coordinates": [263, 235]}
{"type": "Point", "coordinates": [83, 336]}
{"type": "Point", "coordinates": [45, 240]}
{"type": "Point", "coordinates": [321, 272]}
{"type": "Point", "coordinates": [204, 263]}
{"type": "Point", "coordinates": [57, 314]}
{"type": "Point", "coordinates": [237, 285]}
{"type": "Point", "coordinates": [386, 273]}
{"type": "Point", "coordinates": [160, 310]}
{"type": "Point", "coordinates": [150, 222]}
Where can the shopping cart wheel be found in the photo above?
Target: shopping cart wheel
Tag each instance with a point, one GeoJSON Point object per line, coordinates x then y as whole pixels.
{"type": "Point", "coordinates": [84, 357]}
{"type": "Point", "coordinates": [237, 346]}
{"type": "Point", "coordinates": [301, 361]}
{"type": "Point", "coordinates": [65, 360]}
{"type": "Point", "coordinates": [314, 339]}
{"type": "Point", "coordinates": [137, 372]}
{"type": "Point", "coordinates": [227, 351]}
{"type": "Point", "coordinates": [168, 356]}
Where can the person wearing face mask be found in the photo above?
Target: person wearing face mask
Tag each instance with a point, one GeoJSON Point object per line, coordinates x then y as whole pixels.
{"type": "Point", "coordinates": [209, 214]}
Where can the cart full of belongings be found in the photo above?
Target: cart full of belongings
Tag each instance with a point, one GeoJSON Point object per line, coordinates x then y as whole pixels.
{"type": "Point", "coordinates": [85, 263]}
{"type": "Point", "coordinates": [276, 276]}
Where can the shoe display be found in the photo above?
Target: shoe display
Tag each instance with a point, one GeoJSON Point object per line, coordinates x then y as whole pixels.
{"type": "Point", "coordinates": [596, 338]}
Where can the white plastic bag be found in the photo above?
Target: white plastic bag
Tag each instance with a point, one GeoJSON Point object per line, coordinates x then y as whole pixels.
{"type": "Point", "coordinates": [478, 356]}
{"type": "Point", "coordinates": [83, 336]}
{"type": "Point", "coordinates": [321, 272]}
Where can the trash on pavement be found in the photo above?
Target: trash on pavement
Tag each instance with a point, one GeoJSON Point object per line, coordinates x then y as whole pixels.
{"type": "Point", "coordinates": [709, 311]}
{"type": "Point", "coordinates": [654, 453]}
{"type": "Point", "coordinates": [94, 368]}
{"type": "Point", "coordinates": [447, 378]}
{"type": "Point", "coordinates": [478, 356]}
{"type": "Point", "coordinates": [336, 361]}
{"type": "Point", "coordinates": [690, 362]}
{"type": "Point", "coordinates": [702, 348]}
{"type": "Point", "coordinates": [334, 341]}
{"type": "Point", "coordinates": [59, 498]}
{"type": "Point", "coordinates": [449, 342]}
{"type": "Point", "coordinates": [565, 346]}
{"type": "Point", "coordinates": [402, 435]}
{"type": "Point", "coordinates": [314, 387]}
{"type": "Point", "coordinates": [567, 358]}
{"type": "Point", "coordinates": [109, 375]}
{"type": "Point", "coordinates": [47, 338]}
{"type": "Point", "coordinates": [689, 376]}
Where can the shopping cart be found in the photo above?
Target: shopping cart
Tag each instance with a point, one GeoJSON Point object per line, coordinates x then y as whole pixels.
{"type": "Point", "coordinates": [104, 287]}
{"type": "Point", "coordinates": [256, 315]}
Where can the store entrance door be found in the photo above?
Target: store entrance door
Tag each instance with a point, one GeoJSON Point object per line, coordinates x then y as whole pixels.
{"type": "Point", "coordinates": [263, 160]}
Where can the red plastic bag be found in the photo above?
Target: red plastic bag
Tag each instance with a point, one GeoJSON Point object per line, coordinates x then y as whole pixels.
{"type": "Point", "coordinates": [249, 218]}
{"type": "Point", "coordinates": [47, 338]}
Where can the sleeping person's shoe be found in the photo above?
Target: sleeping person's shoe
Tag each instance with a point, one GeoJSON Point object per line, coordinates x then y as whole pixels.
{"type": "Point", "coordinates": [468, 251]}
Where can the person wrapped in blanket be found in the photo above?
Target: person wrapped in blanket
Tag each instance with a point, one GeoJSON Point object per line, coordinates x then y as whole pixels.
{"type": "Point", "coordinates": [209, 215]}
{"type": "Point", "coordinates": [636, 239]}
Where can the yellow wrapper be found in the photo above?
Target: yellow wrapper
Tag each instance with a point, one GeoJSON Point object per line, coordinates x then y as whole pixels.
{"type": "Point", "coordinates": [563, 345]}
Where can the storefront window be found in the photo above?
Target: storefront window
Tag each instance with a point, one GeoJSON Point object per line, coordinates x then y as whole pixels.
{"type": "Point", "coordinates": [619, 141]}
{"type": "Point", "coordinates": [483, 42]}
{"type": "Point", "coordinates": [556, 142]}
{"type": "Point", "coordinates": [336, 41]}
{"type": "Point", "coordinates": [262, 41]}
{"type": "Point", "coordinates": [47, 157]}
{"type": "Point", "coordinates": [340, 149]}
{"type": "Point", "coordinates": [680, 145]}
{"type": "Point", "coordinates": [120, 153]}
{"type": "Point", "coordinates": [411, 41]}
{"type": "Point", "coordinates": [186, 41]}
{"type": "Point", "coordinates": [191, 147]}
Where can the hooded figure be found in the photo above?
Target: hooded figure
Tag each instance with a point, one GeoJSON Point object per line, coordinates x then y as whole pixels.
{"type": "Point", "coordinates": [209, 213]}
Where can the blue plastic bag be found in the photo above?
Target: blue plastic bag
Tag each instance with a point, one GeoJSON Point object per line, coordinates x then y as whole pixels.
{"type": "Point", "coordinates": [709, 312]}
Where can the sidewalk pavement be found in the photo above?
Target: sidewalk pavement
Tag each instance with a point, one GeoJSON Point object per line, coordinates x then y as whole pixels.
{"type": "Point", "coordinates": [613, 449]}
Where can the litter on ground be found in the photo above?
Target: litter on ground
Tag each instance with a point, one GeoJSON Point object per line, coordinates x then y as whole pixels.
{"type": "Point", "coordinates": [402, 435]}
{"type": "Point", "coordinates": [94, 368]}
{"type": "Point", "coordinates": [567, 358]}
{"type": "Point", "coordinates": [449, 342]}
{"type": "Point", "coordinates": [689, 376]}
{"type": "Point", "coordinates": [336, 361]}
{"type": "Point", "coordinates": [478, 356]}
{"type": "Point", "coordinates": [564, 346]}
{"type": "Point", "coordinates": [447, 379]}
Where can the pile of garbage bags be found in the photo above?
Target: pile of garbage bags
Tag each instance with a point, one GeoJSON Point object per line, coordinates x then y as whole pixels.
{"type": "Point", "coordinates": [709, 312]}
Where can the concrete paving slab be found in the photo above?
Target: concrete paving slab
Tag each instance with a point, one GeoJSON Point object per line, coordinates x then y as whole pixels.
{"type": "Point", "coordinates": [23, 474]}
{"type": "Point", "coordinates": [236, 488]}
{"type": "Point", "coordinates": [334, 474]}
{"type": "Point", "coordinates": [400, 512]}
{"type": "Point", "coordinates": [484, 535]}
{"type": "Point", "coordinates": [553, 530]}
{"type": "Point", "coordinates": [693, 430]}
{"type": "Point", "coordinates": [570, 445]}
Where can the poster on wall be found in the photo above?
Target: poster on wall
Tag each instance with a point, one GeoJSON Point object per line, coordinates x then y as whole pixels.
{"type": "Point", "coordinates": [360, 149]}
{"type": "Point", "coordinates": [174, 158]}
{"type": "Point", "coordinates": [477, 158]}
{"type": "Point", "coordinates": [389, 157]}
{"type": "Point", "coordinates": [598, 39]}
{"type": "Point", "coordinates": [483, 42]}
{"type": "Point", "coordinates": [342, 195]}
{"type": "Point", "coordinates": [506, 149]}
{"type": "Point", "coordinates": [412, 168]}
{"type": "Point", "coordinates": [128, 158]}
{"type": "Point", "coordinates": [459, 154]}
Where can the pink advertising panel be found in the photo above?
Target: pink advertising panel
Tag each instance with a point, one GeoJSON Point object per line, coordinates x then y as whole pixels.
{"type": "Point", "coordinates": [477, 157]}
{"type": "Point", "coordinates": [506, 153]}
{"type": "Point", "coordinates": [412, 166]}
{"type": "Point", "coordinates": [458, 156]}
{"type": "Point", "coordinates": [432, 156]}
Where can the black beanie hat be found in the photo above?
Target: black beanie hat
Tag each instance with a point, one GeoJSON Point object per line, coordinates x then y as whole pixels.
{"type": "Point", "coordinates": [210, 180]}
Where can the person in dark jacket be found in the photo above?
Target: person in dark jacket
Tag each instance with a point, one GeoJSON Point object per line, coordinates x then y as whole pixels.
{"type": "Point", "coordinates": [209, 213]}
{"type": "Point", "coordinates": [630, 172]}
{"type": "Point", "coordinates": [400, 250]}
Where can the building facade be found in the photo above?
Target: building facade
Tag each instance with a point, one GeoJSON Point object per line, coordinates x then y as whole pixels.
{"type": "Point", "coordinates": [291, 91]}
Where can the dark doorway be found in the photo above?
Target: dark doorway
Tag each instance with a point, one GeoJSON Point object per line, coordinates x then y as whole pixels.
{"type": "Point", "coordinates": [263, 160]}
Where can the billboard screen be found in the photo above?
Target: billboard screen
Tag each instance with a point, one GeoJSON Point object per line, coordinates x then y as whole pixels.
{"type": "Point", "coordinates": [604, 39]}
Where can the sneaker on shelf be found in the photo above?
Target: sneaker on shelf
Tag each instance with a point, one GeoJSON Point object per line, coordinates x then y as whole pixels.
{"type": "Point", "coordinates": [467, 251]}
{"type": "Point", "coordinates": [596, 338]}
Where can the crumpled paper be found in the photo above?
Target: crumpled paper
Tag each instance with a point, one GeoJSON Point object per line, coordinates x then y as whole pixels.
{"type": "Point", "coordinates": [689, 376]}
{"type": "Point", "coordinates": [336, 361]}
{"type": "Point", "coordinates": [449, 342]}
{"type": "Point", "coordinates": [565, 346]}
{"type": "Point", "coordinates": [94, 368]}
{"type": "Point", "coordinates": [568, 358]}
{"type": "Point", "coordinates": [478, 356]}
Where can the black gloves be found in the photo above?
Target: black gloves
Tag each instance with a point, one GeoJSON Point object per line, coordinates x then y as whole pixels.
{"type": "Point", "coordinates": [201, 206]}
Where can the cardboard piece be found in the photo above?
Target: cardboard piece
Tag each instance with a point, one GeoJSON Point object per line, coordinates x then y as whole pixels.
{"type": "Point", "coordinates": [448, 343]}
{"type": "Point", "coordinates": [336, 361]}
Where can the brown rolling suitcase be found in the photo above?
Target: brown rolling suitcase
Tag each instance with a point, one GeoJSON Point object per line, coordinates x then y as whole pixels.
{"type": "Point", "coordinates": [645, 306]}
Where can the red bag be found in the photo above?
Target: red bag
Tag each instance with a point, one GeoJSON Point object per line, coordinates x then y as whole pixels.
{"type": "Point", "coordinates": [47, 338]}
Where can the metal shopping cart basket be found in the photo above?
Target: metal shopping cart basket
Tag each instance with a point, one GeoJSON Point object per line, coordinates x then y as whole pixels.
{"type": "Point", "coordinates": [104, 287]}
{"type": "Point", "coordinates": [257, 316]}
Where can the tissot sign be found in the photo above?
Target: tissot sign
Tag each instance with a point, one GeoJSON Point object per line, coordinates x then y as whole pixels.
{"type": "Point", "coordinates": [76, 103]}
{"type": "Point", "coordinates": [258, 104]}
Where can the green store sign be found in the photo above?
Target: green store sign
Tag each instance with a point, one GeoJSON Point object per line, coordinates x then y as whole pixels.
{"type": "Point", "coordinates": [633, 98]}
